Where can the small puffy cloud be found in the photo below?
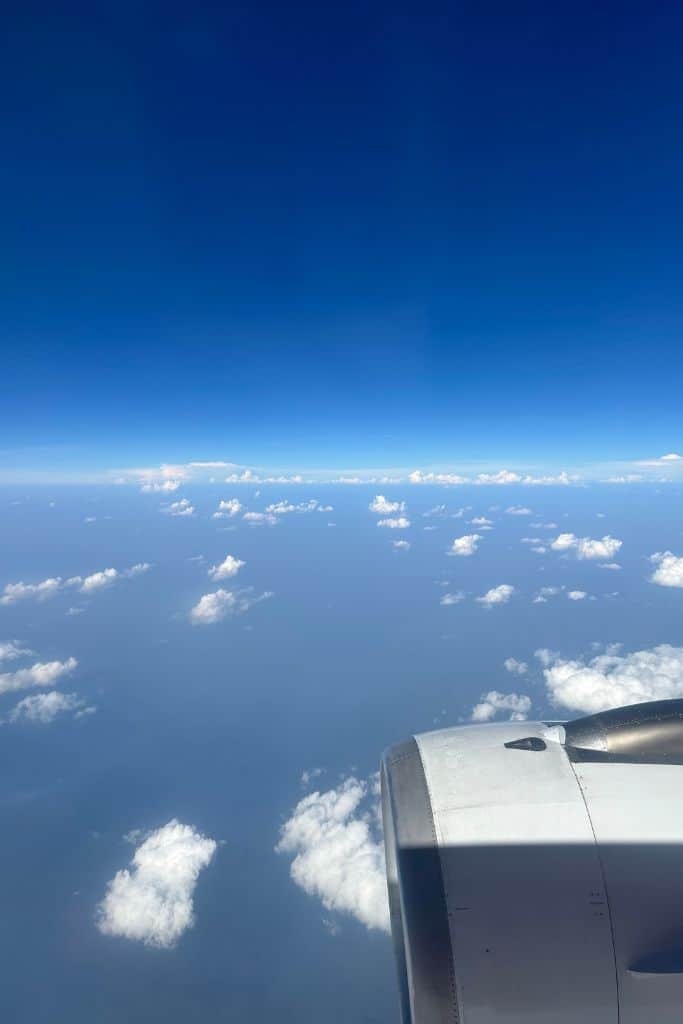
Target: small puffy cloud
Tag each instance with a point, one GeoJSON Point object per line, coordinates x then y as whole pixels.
{"type": "Point", "coordinates": [448, 479]}
{"type": "Point", "coordinates": [281, 508]}
{"type": "Point", "coordinates": [382, 507]}
{"type": "Point", "coordinates": [518, 510]}
{"type": "Point", "coordinates": [517, 705]}
{"type": "Point", "coordinates": [181, 508]}
{"type": "Point", "coordinates": [214, 607]}
{"type": "Point", "coordinates": [230, 566]}
{"type": "Point", "coordinates": [518, 668]}
{"type": "Point", "coordinates": [14, 592]}
{"type": "Point", "coordinates": [466, 545]}
{"type": "Point", "coordinates": [401, 545]}
{"type": "Point", "coordinates": [669, 571]}
{"type": "Point", "coordinates": [42, 673]}
{"type": "Point", "coordinates": [228, 509]}
{"type": "Point", "coordinates": [338, 854]}
{"type": "Point", "coordinates": [481, 521]}
{"type": "Point", "coordinates": [438, 511]}
{"type": "Point", "coordinates": [546, 592]}
{"type": "Point", "coordinates": [586, 547]}
{"type": "Point", "coordinates": [577, 595]}
{"type": "Point", "coordinates": [96, 581]}
{"type": "Point", "coordinates": [612, 680]}
{"type": "Point", "coordinates": [10, 651]}
{"type": "Point", "coordinates": [260, 518]}
{"type": "Point", "coordinates": [452, 598]}
{"type": "Point", "coordinates": [395, 523]}
{"type": "Point", "coordinates": [496, 595]}
{"type": "Point", "coordinates": [43, 708]}
{"type": "Point", "coordinates": [151, 901]}
{"type": "Point", "coordinates": [503, 476]}
{"type": "Point", "coordinates": [671, 457]}
{"type": "Point", "coordinates": [614, 566]}
{"type": "Point", "coordinates": [160, 486]}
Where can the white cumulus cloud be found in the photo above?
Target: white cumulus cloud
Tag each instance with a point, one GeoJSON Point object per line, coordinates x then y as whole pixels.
{"type": "Point", "coordinates": [230, 566]}
{"type": "Point", "coordinates": [496, 595]}
{"type": "Point", "coordinates": [401, 545]}
{"type": "Point", "coordinates": [669, 571]}
{"type": "Point", "coordinates": [518, 668]}
{"type": "Point", "coordinates": [41, 673]}
{"type": "Point", "coordinates": [452, 598]}
{"type": "Point", "coordinates": [611, 680]}
{"type": "Point", "coordinates": [586, 547]}
{"type": "Point", "coordinates": [180, 508]}
{"type": "Point", "coordinates": [152, 900]}
{"type": "Point", "coordinates": [338, 854]}
{"type": "Point", "coordinates": [397, 523]}
{"type": "Point", "coordinates": [518, 706]}
{"type": "Point", "coordinates": [220, 603]}
{"type": "Point", "coordinates": [518, 510]}
{"type": "Point", "coordinates": [43, 708]}
{"type": "Point", "coordinates": [228, 509]}
{"type": "Point", "coordinates": [466, 545]}
{"type": "Point", "coordinates": [383, 507]}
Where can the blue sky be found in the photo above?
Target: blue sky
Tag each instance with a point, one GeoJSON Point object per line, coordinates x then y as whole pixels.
{"type": "Point", "coordinates": [342, 237]}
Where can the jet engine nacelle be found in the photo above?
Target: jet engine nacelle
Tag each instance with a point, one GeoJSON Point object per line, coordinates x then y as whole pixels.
{"type": "Point", "coordinates": [535, 870]}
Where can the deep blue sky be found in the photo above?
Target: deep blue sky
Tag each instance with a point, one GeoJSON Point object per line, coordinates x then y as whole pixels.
{"type": "Point", "coordinates": [342, 235]}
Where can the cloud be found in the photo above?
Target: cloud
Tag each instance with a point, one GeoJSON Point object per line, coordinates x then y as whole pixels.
{"type": "Point", "coordinates": [609, 565]}
{"type": "Point", "coordinates": [518, 668]}
{"type": "Point", "coordinates": [21, 591]}
{"type": "Point", "coordinates": [481, 521]}
{"type": "Point", "coordinates": [452, 598]}
{"type": "Point", "coordinates": [438, 511]}
{"type": "Point", "coordinates": [338, 851]}
{"type": "Point", "coordinates": [228, 509]}
{"type": "Point", "coordinates": [612, 680]}
{"type": "Point", "coordinates": [585, 547]}
{"type": "Point", "coordinates": [43, 708]}
{"type": "Point", "coordinates": [382, 507]}
{"type": "Point", "coordinates": [518, 510]}
{"type": "Point", "coordinates": [151, 901]}
{"type": "Point", "coordinates": [14, 592]}
{"type": "Point", "coordinates": [157, 486]}
{"type": "Point", "coordinates": [577, 595]}
{"type": "Point", "coordinates": [418, 477]}
{"type": "Point", "coordinates": [519, 706]}
{"type": "Point", "coordinates": [669, 571]}
{"type": "Point", "coordinates": [41, 673]}
{"type": "Point", "coordinates": [260, 518]}
{"type": "Point", "coordinates": [497, 595]}
{"type": "Point", "coordinates": [401, 545]}
{"type": "Point", "coordinates": [9, 651]}
{"type": "Point", "coordinates": [400, 523]}
{"type": "Point", "coordinates": [230, 566]}
{"type": "Point", "coordinates": [180, 508]}
{"type": "Point", "coordinates": [466, 545]}
{"type": "Point", "coordinates": [220, 603]}
{"type": "Point", "coordinates": [281, 508]}
{"type": "Point", "coordinates": [546, 592]}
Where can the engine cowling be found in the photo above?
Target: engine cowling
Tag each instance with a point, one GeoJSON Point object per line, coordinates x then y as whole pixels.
{"type": "Point", "coordinates": [535, 870]}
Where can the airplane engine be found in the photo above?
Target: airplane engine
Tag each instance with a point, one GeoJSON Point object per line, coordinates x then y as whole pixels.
{"type": "Point", "coordinates": [535, 870]}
